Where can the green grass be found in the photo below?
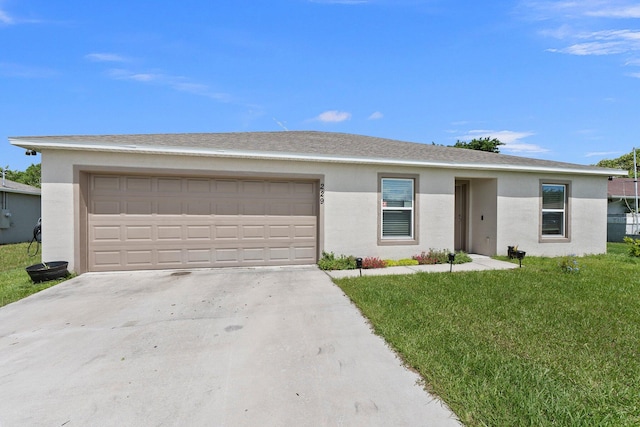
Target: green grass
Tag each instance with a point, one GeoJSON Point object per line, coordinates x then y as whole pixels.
{"type": "Point", "coordinates": [528, 347]}
{"type": "Point", "coordinates": [15, 283]}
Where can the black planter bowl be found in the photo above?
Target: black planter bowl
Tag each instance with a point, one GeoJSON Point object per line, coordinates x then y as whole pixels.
{"type": "Point", "coordinates": [48, 271]}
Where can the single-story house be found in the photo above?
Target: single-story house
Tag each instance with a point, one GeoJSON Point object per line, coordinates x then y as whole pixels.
{"type": "Point", "coordinates": [127, 202]}
{"type": "Point", "coordinates": [621, 197]}
{"type": "Point", "coordinates": [19, 211]}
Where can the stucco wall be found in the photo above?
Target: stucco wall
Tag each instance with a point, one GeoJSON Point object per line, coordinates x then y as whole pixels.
{"type": "Point", "coordinates": [25, 211]}
{"type": "Point", "coordinates": [509, 202]}
{"type": "Point", "coordinates": [519, 215]}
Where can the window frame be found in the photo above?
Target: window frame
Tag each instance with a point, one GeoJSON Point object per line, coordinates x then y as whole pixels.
{"type": "Point", "coordinates": [566, 212]}
{"type": "Point", "coordinates": [396, 240]}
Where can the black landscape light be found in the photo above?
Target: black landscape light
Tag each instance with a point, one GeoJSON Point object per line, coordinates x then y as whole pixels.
{"type": "Point", "coordinates": [359, 265]}
{"type": "Point", "coordinates": [520, 255]}
{"type": "Point", "coordinates": [452, 258]}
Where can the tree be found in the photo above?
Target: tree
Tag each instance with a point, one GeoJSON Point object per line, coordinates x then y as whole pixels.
{"type": "Point", "coordinates": [482, 144]}
{"type": "Point", "coordinates": [623, 162]}
{"type": "Point", "coordinates": [30, 177]}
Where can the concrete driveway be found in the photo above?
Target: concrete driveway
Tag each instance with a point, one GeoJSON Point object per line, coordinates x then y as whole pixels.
{"type": "Point", "coordinates": [225, 347]}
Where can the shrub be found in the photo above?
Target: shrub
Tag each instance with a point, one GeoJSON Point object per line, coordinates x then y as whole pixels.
{"type": "Point", "coordinates": [569, 264]}
{"type": "Point", "coordinates": [462, 257]}
{"type": "Point", "coordinates": [330, 262]}
{"type": "Point", "coordinates": [633, 246]}
{"type": "Point", "coordinates": [440, 257]}
{"type": "Point", "coordinates": [432, 257]}
{"type": "Point", "coordinates": [373, 262]}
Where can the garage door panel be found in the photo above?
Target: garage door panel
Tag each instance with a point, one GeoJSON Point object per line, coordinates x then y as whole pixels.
{"type": "Point", "coordinates": [169, 256]}
{"type": "Point", "coordinates": [138, 207]}
{"type": "Point", "coordinates": [305, 253]}
{"type": "Point", "coordinates": [303, 209]}
{"type": "Point", "coordinates": [198, 232]}
{"type": "Point", "coordinates": [304, 231]}
{"type": "Point", "coordinates": [140, 258]}
{"type": "Point", "coordinates": [195, 256]}
{"type": "Point", "coordinates": [169, 185]}
{"type": "Point", "coordinates": [173, 222]}
{"type": "Point", "coordinates": [142, 184]}
{"type": "Point", "coordinates": [253, 232]}
{"type": "Point", "coordinates": [169, 232]}
{"type": "Point", "coordinates": [227, 232]}
{"type": "Point", "coordinates": [252, 187]}
{"type": "Point", "coordinates": [198, 186]}
{"type": "Point", "coordinates": [169, 206]}
{"type": "Point", "coordinates": [109, 207]}
{"type": "Point", "coordinates": [106, 258]}
{"type": "Point", "coordinates": [107, 233]}
{"type": "Point", "coordinates": [106, 183]}
{"type": "Point", "coordinates": [139, 232]}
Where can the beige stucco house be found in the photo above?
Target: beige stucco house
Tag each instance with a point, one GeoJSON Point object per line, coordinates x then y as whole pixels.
{"type": "Point", "coordinates": [126, 202]}
{"type": "Point", "coordinates": [19, 211]}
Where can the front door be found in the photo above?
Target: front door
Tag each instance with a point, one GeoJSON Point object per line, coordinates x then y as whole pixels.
{"type": "Point", "coordinates": [460, 228]}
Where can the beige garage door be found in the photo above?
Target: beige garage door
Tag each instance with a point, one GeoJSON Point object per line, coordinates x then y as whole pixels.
{"type": "Point", "coordinates": [142, 222]}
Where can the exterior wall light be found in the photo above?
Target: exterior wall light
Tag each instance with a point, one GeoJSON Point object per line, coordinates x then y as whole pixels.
{"type": "Point", "coordinates": [452, 258]}
{"type": "Point", "coordinates": [359, 265]}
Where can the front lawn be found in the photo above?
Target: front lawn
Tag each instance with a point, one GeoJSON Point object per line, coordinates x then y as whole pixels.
{"type": "Point", "coordinates": [536, 346]}
{"type": "Point", "coordinates": [15, 283]}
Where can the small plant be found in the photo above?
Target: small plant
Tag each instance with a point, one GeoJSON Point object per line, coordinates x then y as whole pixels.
{"type": "Point", "coordinates": [401, 262]}
{"type": "Point", "coordinates": [462, 257]}
{"type": "Point", "coordinates": [633, 246]}
{"type": "Point", "coordinates": [569, 264]}
{"type": "Point", "coordinates": [432, 257]}
{"type": "Point", "coordinates": [440, 257]}
{"type": "Point", "coordinates": [373, 262]}
{"type": "Point", "coordinates": [330, 262]}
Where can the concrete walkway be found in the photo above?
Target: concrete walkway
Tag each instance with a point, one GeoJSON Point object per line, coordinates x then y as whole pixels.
{"type": "Point", "coordinates": [480, 262]}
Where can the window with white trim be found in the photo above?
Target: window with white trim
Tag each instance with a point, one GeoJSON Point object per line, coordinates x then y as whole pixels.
{"type": "Point", "coordinates": [554, 210]}
{"type": "Point", "coordinates": [397, 208]}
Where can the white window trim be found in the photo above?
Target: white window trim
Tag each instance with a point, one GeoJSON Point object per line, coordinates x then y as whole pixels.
{"type": "Point", "coordinates": [399, 240]}
{"type": "Point", "coordinates": [566, 235]}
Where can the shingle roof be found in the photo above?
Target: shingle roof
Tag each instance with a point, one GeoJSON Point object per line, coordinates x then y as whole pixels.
{"type": "Point", "coordinates": [17, 187]}
{"type": "Point", "coordinates": [303, 145]}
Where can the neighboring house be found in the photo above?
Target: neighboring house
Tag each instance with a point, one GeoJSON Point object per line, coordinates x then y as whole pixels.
{"type": "Point", "coordinates": [19, 211]}
{"type": "Point", "coordinates": [127, 202]}
{"type": "Point", "coordinates": [621, 196]}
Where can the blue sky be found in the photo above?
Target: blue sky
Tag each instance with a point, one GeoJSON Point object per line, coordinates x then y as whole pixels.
{"type": "Point", "coordinates": [555, 80]}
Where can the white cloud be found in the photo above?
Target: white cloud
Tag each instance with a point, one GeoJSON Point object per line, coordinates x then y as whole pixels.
{"type": "Point", "coordinates": [178, 83]}
{"type": "Point", "coordinates": [333, 116]}
{"type": "Point", "coordinates": [105, 57]}
{"type": "Point", "coordinates": [625, 12]}
{"type": "Point", "coordinates": [602, 154]}
{"type": "Point", "coordinates": [511, 139]}
{"type": "Point", "coordinates": [5, 18]}
{"type": "Point", "coordinates": [8, 19]}
{"type": "Point", "coordinates": [590, 16]}
{"type": "Point", "coordinates": [377, 115]}
{"type": "Point", "coordinates": [8, 69]}
{"type": "Point", "coordinates": [607, 42]}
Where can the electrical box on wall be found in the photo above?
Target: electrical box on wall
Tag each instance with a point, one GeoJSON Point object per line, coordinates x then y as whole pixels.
{"type": "Point", "coordinates": [5, 218]}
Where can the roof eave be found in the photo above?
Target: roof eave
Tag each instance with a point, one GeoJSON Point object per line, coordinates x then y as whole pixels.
{"type": "Point", "coordinates": [188, 151]}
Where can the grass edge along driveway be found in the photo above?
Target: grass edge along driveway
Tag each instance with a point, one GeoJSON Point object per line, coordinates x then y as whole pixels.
{"type": "Point", "coordinates": [15, 283]}
{"type": "Point", "coordinates": [541, 345]}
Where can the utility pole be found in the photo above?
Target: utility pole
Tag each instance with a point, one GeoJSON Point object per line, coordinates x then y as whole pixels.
{"type": "Point", "coordinates": [635, 181]}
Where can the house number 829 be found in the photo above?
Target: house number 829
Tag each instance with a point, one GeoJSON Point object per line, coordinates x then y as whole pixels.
{"type": "Point", "coordinates": [322, 194]}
